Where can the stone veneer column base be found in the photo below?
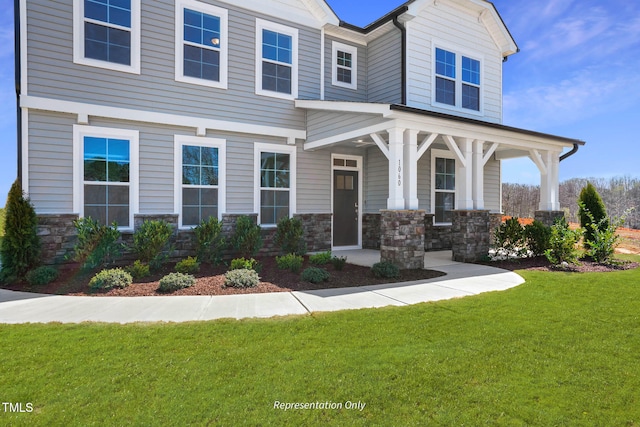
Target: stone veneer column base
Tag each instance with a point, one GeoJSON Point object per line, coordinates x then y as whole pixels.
{"type": "Point", "coordinates": [402, 238]}
{"type": "Point", "coordinates": [436, 237]}
{"type": "Point", "coordinates": [548, 217]}
{"type": "Point", "coordinates": [317, 231]}
{"type": "Point", "coordinates": [371, 231]}
{"type": "Point", "coordinates": [57, 235]}
{"type": "Point", "coordinates": [470, 235]}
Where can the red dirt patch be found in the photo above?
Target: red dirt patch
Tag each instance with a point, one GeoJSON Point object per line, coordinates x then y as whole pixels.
{"type": "Point", "coordinates": [210, 281]}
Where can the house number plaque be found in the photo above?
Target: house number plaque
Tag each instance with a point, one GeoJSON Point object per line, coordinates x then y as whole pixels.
{"type": "Point", "coordinates": [399, 174]}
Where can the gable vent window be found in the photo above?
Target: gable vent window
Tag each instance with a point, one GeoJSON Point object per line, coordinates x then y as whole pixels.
{"type": "Point", "coordinates": [457, 80]}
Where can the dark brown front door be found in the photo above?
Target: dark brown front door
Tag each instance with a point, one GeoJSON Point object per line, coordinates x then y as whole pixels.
{"type": "Point", "coordinates": [345, 208]}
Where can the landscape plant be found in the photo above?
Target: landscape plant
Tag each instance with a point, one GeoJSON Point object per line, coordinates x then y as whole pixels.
{"type": "Point", "coordinates": [240, 263]}
{"type": "Point", "coordinates": [321, 258]}
{"type": "Point", "coordinates": [591, 212]}
{"type": "Point", "coordinates": [604, 238]}
{"type": "Point", "coordinates": [338, 262]}
{"type": "Point", "coordinates": [97, 245]}
{"type": "Point", "coordinates": [291, 262]}
{"type": "Point", "coordinates": [509, 239]}
{"type": "Point", "coordinates": [210, 242]}
{"type": "Point", "coordinates": [289, 236]}
{"type": "Point", "coordinates": [20, 247]}
{"type": "Point", "coordinates": [385, 269]}
{"type": "Point", "coordinates": [42, 275]}
{"type": "Point", "coordinates": [138, 270]}
{"type": "Point", "coordinates": [109, 279]}
{"type": "Point", "coordinates": [315, 275]}
{"type": "Point", "coordinates": [151, 242]}
{"type": "Point", "coordinates": [562, 243]}
{"type": "Point", "coordinates": [188, 265]}
{"type": "Point", "coordinates": [241, 278]}
{"type": "Point", "coordinates": [246, 239]}
{"type": "Point", "coordinates": [175, 281]}
{"type": "Point", "coordinates": [536, 236]}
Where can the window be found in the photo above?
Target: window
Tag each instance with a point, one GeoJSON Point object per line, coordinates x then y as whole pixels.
{"type": "Point", "coordinates": [201, 44]}
{"type": "Point", "coordinates": [275, 181]}
{"type": "Point", "coordinates": [107, 34]}
{"type": "Point", "coordinates": [199, 179]}
{"type": "Point", "coordinates": [106, 174]}
{"type": "Point", "coordinates": [345, 65]}
{"type": "Point", "coordinates": [276, 60]}
{"type": "Point", "coordinates": [443, 180]}
{"type": "Point", "coordinates": [457, 80]}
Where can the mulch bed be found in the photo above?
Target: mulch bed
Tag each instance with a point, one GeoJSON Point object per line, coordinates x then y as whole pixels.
{"type": "Point", "coordinates": [210, 281]}
{"type": "Point", "coordinates": [542, 264]}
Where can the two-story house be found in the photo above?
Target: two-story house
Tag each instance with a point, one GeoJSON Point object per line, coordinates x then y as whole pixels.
{"type": "Point", "coordinates": [185, 109]}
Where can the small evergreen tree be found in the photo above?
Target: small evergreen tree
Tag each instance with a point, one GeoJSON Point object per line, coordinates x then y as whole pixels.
{"type": "Point", "coordinates": [20, 249]}
{"type": "Point", "coordinates": [591, 211]}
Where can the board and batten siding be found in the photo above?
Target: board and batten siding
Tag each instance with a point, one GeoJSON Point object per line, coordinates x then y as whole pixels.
{"type": "Point", "coordinates": [450, 28]}
{"type": "Point", "coordinates": [52, 73]}
{"type": "Point", "coordinates": [337, 93]}
{"type": "Point", "coordinates": [384, 62]}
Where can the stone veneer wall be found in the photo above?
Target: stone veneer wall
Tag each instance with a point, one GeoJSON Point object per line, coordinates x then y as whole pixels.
{"type": "Point", "coordinates": [371, 231]}
{"type": "Point", "coordinates": [317, 231]}
{"type": "Point", "coordinates": [495, 220]}
{"type": "Point", "coordinates": [57, 236]}
{"type": "Point", "coordinates": [470, 234]}
{"type": "Point", "coordinates": [402, 238]}
{"type": "Point", "coordinates": [548, 217]}
{"type": "Point", "coordinates": [436, 237]}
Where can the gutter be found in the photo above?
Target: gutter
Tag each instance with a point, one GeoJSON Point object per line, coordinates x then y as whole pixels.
{"type": "Point", "coordinates": [18, 82]}
{"type": "Point", "coordinates": [573, 151]}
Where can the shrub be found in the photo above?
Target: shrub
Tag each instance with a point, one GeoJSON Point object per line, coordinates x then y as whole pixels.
{"type": "Point", "coordinates": [41, 276]}
{"type": "Point", "coordinates": [339, 262]}
{"type": "Point", "coordinates": [246, 239]}
{"type": "Point", "coordinates": [210, 242]}
{"type": "Point", "coordinates": [243, 263]}
{"type": "Point", "coordinates": [604, 238]}
{"type": "Point", "coordinates": [289, 236]}
{"type": "Point", "coordinates": [151, 242]}
{"type": "Point", "coordinates": [241, 278]}
{"type": "Point", "coordinates": [537, 237]}
{"type": "Point", "coordinates": [385, 269]}
{"type": "Point", "coordinates": [320, 259]}
{"type": "Point", "coordinates": [110, 279]}
{"type": "Point", "coordinates": [138, 270]}
{"type": "Point", "coordinates": [590, 201]}
{"type": "Point", "coordinates": [97, 244]}
{"type": "Point", "coordinates": [20, 249]}
{"type": "Point", "coordinates": [290, 262]}
{"type": "Point", "coordinates": [188, 265]}
{"type": "Point", "coordinates": [175, 281]}
{"type": "Point", "coordinates": [315, 275]}
{"type": "Point", "coordinates": [562, 243]}
{"type": "Point", "coordinates": [510, 238]}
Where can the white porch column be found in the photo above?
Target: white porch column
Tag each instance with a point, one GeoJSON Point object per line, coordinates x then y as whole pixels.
{"type": "Point", "coordinates": [411, 169]}
{"type": "Point", "coordinates": [478, 175]}
{"type": "Point", "coordinates": [548, 163]}
{"type": "Point", "coordinates": [396, 169]}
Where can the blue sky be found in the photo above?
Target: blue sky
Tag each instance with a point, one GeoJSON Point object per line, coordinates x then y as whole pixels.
{"type": "Point", "coordinates": [576, 76]}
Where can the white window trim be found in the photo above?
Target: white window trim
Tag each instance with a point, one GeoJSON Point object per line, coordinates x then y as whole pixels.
{"type": "Point", "coordinates": [224, 42]}
{"type": "Point", "coordinates": [335, 47]}
{"type": "Point", "coordinates": [261, 24]}
{"type": "Point", "coordinates": [259, 147]}
{"type": "Point", "coordinates": [79, 132]}
{"type": "Point", "coordinates": [221, 144]}
{"type": "Point", "coordinates": [446, 155]}
{"type": "Point", "coordinates": [459, 53]}
{"type": "Point", "coordinates": [78, 40]}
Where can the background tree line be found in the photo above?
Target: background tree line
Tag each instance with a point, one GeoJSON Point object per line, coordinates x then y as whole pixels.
{"type": "Point", "coordinates": [618, 194]}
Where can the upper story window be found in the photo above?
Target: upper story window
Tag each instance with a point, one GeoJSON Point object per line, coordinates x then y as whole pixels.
{"type": "Point", "coordinates": [457, 80]}
{"type": "Point", "coordinates": [201, 44]}
{"type": "Point", "coordinates": [276, 60]}
{"type": "Point", "coordinates": [107, 34]}
{"type": "Point", "coordinates": [345, 65]}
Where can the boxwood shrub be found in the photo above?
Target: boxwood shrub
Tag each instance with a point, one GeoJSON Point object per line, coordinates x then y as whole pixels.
{"type": "Point", "coordinates": [176, 281]}
{"type": "Point", "coordinates": [110, 279]}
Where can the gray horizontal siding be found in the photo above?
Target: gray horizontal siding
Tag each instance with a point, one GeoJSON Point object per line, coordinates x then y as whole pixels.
{"type": "Point", "coordinates": [337, 93]}
{"type": "Point", "coordinates": [385, 68]}
{"type": "Point", "coordinates": [53, 74]}
{"type": "Point", "coordinates": [322, 124]}
{"type": "Point", "coordinates": [377, 181]}
{"type": "Point", "coordinates": [492, 186]}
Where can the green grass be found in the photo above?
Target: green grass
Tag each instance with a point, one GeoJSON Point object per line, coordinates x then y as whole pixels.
{"type": "Point", "coordinates": [562, 349]}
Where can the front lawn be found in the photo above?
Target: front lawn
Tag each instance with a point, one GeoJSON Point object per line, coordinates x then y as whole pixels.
{"type": "Point", "coordinates": [562, 349]}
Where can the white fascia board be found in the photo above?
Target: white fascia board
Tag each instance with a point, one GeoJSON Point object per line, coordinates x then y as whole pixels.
{"type": "Point", "coordinates": [345, 107]}
{"type": "Point", "coordinates": [273, 9]}
{"type": "Point", "coordinates": [79, 108]}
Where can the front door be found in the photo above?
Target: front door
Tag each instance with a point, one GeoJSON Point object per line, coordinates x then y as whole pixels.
{"type": "Point", "coordinates": [345, 208]}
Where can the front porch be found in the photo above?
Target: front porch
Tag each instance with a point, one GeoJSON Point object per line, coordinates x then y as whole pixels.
{"type": "Point", "coordinates": [458, 184]}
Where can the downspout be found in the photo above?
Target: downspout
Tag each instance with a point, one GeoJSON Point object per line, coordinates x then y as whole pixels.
{"type": "Point", "coordinates": [17, 53]}
{"type": "Point", "coordinates": [573, 151]}
{"type": "Point", "coordinates": [403, 32]}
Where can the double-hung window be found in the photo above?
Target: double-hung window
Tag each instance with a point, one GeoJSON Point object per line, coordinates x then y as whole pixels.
{"type": "Point", "coordinates": [275, 182]}
{"type": "Point", "coordinates": [106, 174]}
{"type": "Point", "coordinates": [345, 65]}
{"type": "Point", "coordinates": [107, 34]}
{"type": "Point", "coordinates": [276, 60]}
{"type": "Point", "coordinates": [443, 183]}
{"type": "Point", "coordinates": [199, 179]}
{"type": "Point", "coordinates": [457, 80]}
{"type": "Point", "coordinates": [201, 44]}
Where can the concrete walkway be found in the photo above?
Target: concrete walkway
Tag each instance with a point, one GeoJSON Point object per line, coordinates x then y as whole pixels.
{"type": "Point", "coordinates": [461, 280]}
